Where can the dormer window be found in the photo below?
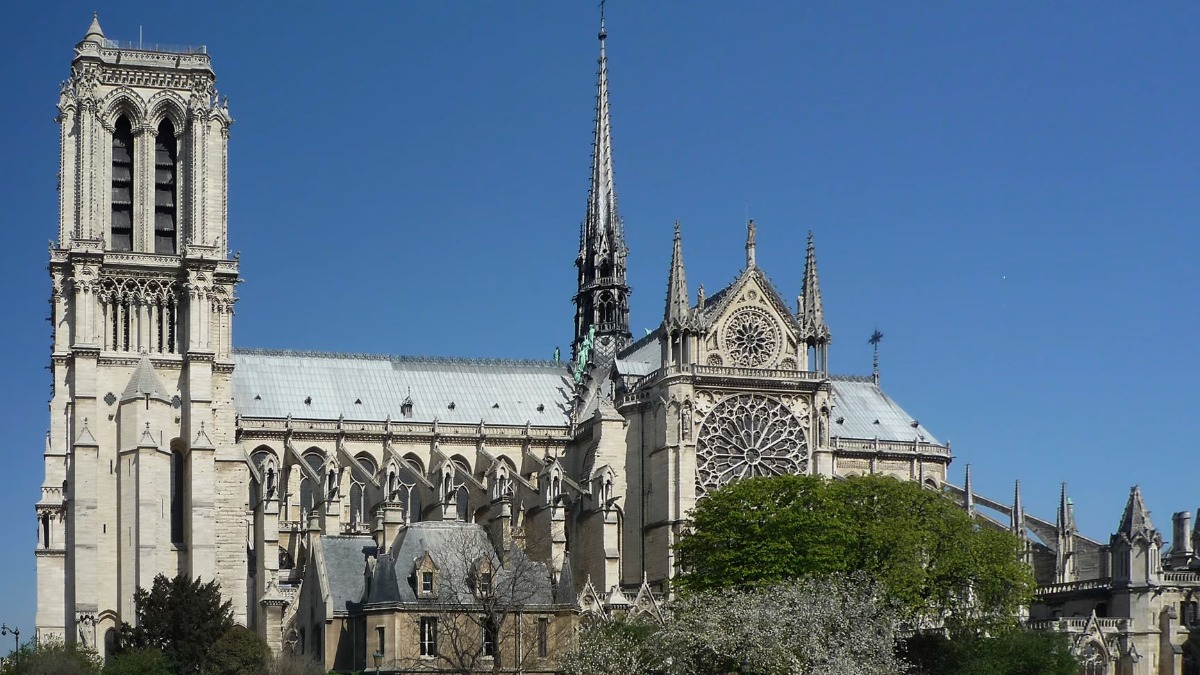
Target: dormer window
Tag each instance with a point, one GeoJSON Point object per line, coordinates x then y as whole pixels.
{"type": "Point", "coordinates": [426, 578]}
{"type": "Point", "coordinates": [485, 583]}
{"type": "Point", "coordinates": [121, 225]}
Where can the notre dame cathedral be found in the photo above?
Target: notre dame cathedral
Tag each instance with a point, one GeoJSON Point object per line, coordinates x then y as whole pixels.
{"type": "Point", "coordinates": [322, 490]}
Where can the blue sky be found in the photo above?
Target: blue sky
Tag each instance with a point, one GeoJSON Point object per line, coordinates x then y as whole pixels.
{"type": "Point", "coordinates": [1007, 190]}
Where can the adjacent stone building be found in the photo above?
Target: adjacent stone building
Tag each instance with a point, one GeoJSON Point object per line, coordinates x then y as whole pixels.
{"type": "Point", "coordinates": [320, 489]}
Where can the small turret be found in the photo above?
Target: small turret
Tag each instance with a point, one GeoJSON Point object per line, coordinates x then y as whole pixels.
{"type": "Point", "coordinates": [814, 332]}
{"type": "Point", "coordinates": [1181, 542]}
{"type": "Point", "coordinates": [677, 290]}
{"type": "Point", "coordinates": [94, 32]}
{"type": "Point", "coordinates": [1135, 546]}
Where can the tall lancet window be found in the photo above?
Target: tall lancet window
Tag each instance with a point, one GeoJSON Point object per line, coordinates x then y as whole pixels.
{"type": "Point", "coordinates": [121, 227]}
{"type": "Point", "coordinates": [166, 170]}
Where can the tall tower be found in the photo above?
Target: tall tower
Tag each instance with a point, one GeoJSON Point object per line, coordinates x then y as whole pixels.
{"type": "Point", "coordinates": [602, 302]}
{"type": "Point", "coordinates": [140, 450]}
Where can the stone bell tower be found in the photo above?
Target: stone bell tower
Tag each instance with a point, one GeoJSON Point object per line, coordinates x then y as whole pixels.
{"type": "Point", "coordinates": [141, 447]}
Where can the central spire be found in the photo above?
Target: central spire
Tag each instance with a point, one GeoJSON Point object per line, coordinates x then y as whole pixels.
{"type": "Point", "coordinates": [602, 301]}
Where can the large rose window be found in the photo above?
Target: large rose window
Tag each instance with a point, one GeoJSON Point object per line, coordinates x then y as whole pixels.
{"type": "Point", "coordinates": [746, 436]}
{"type": "Point", "coordinates": [751, 337]}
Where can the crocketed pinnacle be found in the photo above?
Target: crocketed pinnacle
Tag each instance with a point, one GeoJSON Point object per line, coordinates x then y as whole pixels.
{"type": "Point", "coordinates": [969, 493]}
{"type": "Point", "coordinates": [602, 228]}
{"type": "Point", "coordinates": [1136, 519]}
{"type": "Point", "coordinates": [677, 290]}
{"type": "Point", "coordinates": [1017, 521]}
{"type": "Point", "coordinates": [812, 312]}
{"type": "Point", "coordinates": [1066, 511]}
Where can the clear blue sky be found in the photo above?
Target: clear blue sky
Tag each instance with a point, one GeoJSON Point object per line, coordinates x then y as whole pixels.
{"type": "Point", "coordinates": [1007, 190]}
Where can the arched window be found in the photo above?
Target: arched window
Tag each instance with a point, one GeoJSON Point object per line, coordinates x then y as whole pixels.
{"type": "Point", "coordinates": [178, 488]}
{"type": "Point", "coordinates": [1093, 659]}
{"type": "Point", "coordinates": [166, 171]}
{"type": "Point", "coordinates": [45, 530]}
{"type": "Point", "coordinates": [121, 227]}
{"type": "Point", "coordinates": [406, 489]}
{"type": "Point", "coordinates": [261, 460]}
{"type": "Point", "coordinates": [309, 492]}
{"type": "Point", "coordinates": [463, 503]}
{"type": "Point", "coordinates": [359, 508]}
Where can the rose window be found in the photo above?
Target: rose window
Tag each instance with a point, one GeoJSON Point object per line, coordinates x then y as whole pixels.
{"type": "Point", "coordinates": [751, 337]}
{"type": "Point", "coordinates": [746, 436]}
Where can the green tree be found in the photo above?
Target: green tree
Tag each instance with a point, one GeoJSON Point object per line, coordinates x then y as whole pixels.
{"type": "Point", "coordinates": [1013, 651]}
{"type": "Point", "coordinates": [240, 651]}
{"type": "Point", "coordinates": [139, 662]}
{"type": "Point", "coordinates": [183, 618]}
{"type": "Point", "coordinates": [616, 646]}
{"type": "Point", "coordinates": [926, 553]}
{"type": "Point", "coordinates": [51, 657]}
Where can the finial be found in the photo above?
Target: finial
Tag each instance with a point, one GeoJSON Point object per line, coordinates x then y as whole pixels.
{"type": "Point", "coordinates": [94, 32]}
{"type": "Point", "coordinates": [603, 33]}
{"type": "Point", "coordinates": [750, 243]}
{"type": "Point", "coordinates": [676, 228]}
{"type": "Point", "coordinates": [875, 339]}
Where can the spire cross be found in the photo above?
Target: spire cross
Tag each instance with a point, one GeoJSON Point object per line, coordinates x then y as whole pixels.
{"type": "Point", "coordinates": [874, 340]}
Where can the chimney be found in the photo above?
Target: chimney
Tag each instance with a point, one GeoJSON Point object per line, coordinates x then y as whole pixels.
{"type": "Point", "coordinates": [1181, 540]}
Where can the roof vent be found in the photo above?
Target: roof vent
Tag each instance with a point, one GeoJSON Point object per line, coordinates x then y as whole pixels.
{"type": "Point", "coordinates": [876, 421]}
{"type": "Point", "coordinates": [307, 400]}
{"type": "Point", "coordinates": [358, 401]}
{"type": "Point", "coordinates": [257, 397]}
{"type": "Point", "coordinates": [915, 424]}
{"type": "Point", "coordinates": [451, 406]}
{"type": "Point", "coordinates": [841, 420]}
{"type": "Point", "coordinates": [495, 406]}
{"type": "Point", "coordinates": [541, 407]}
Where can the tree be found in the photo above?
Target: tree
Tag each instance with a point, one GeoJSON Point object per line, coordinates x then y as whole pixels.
{"type": "Point", "coordinates": [240, 651]}
{"type": "Point", "coordinates": [617, 646]}
{"type": "Point", "coordinates": [1014, 651]}
{"type": "Point", "coordinates": [828, 625]}
{"type": "Point", "coordinates": [139, 662]}
{"type": "Point", "coordinates": [51, 658]}
{"type": "Point", "coordinates": [924, 550]}
{"type": "Point", "coordinates": [183, 618]}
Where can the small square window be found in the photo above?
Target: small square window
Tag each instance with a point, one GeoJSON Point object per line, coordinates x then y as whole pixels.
{"type": "Point", "coordinates": [426, 582]}
{"type": "Point", "coordinates": [485, 583]}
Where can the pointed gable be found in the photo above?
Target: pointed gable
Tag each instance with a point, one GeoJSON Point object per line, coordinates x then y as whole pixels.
{"type": "Point", "coordinates": [145, 382]}
{"type": "Point", "coordinates": [1135, 522]}
{"type": "Point", "coordinates": [750, 306]}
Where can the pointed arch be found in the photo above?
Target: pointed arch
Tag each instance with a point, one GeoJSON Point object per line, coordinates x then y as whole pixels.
{"type": "Point", "coordinates": [122, 101]}
{"type": "Point", "coordinates": [167, 104]}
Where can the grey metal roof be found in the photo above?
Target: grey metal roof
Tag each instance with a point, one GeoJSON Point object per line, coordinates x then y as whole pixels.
{"type": "Point", "coordinates": [145, 381]}
{"type": "Point", "coordinates": [364, 387]}
{"type": "Point", "coordinates": [345, 569]}
{"type": "Point", "coordinates": [454, 546]}
{"type": "Point", "coordinates": [862, 410]}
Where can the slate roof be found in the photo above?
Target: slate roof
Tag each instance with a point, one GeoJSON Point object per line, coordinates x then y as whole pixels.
{"type": "Point", "coordinates": [145, 381]}
{"type": "Point", "coordinates": [269, 383]}
{"type": "Point", "coordinates": [453, 546]}
{"type": "Point", "coordinates": [863, 410]}
{"type": "Point", "coordinates": [345, 569]}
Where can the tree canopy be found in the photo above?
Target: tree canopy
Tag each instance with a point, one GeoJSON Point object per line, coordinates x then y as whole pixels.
{"type": "Point", "coordinates": [924, 550]}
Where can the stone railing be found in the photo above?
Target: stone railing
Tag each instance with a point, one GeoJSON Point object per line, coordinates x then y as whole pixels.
{"type": "Point", "coordinates": [1068, 624]}
{"type": "Point", "coordinates": [876, 445]}
{"type": "Point", "coordinates": [1073, 586]}
{"type": "Point", "coordinates": [1186, 577]}
{"type": "Point", "coordinates": [275, 424]}
{"type": "Point", "coordinates": [155, 47]}
{"type": "Point", "coordinates": [700, 370]}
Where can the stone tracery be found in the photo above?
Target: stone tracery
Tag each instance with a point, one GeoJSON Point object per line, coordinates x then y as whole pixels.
{"type": "Point", "coordinates": [751, 338]}
{"type": "Point", "coordinates": [749, 435]}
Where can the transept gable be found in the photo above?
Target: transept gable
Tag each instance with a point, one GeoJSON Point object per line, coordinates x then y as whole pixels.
{"type": "Point", "coordinates": [749, 324]}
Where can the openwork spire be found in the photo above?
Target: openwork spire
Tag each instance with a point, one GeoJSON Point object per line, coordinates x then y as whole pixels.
{"type": "Point", "coordinates": [677, 290]}
{"type": "Point", "coordinates": [602, 303]}
{"type": "Point", "coordinates": [813, 312]}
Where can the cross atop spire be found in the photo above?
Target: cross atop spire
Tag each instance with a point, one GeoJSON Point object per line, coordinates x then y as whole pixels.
{"type": "Point", "coordinates": [677, 290]}
{"type": "Point", "coordinates": [602, 302]}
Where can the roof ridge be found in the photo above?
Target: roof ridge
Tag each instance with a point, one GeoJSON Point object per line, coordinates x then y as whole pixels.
{"type": "Point", "coordinates": [401, 358]}
{"type": "Point", "coordinates": [852, 378]}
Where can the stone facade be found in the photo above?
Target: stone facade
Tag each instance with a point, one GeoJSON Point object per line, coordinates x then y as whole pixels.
{"type": "Point", "coordinates": [170, 451]}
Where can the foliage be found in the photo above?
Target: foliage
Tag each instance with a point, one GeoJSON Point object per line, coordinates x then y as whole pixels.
{"type": "Point", "coordinates": [611, 647]}
{"type": "Point", "coordinates": [1008, 652]}
{"type": "Point", "coordinates": [832, 626]}
{"type": "Point", "coordinates": [240, 651]}
{"type": "Point", "coordinates": [183, 618]}
{"type": "Point", "coordinates": [294, 664]}
{"type": "Point", "coordinates": [925, 551]}
{"type": "Point", "coordinates": [51, 658]}
{"type": "Point", "coordinates": [139, 662]}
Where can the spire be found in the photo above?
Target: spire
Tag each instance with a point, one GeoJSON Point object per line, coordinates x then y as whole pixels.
{"type": "Point", "coordinates": [677, 290]}
{"type": "Point", "coordinates": [1017, 521]}
{"type": "Point", "coordinates": [750, 235]}
{"type": "Point", "coordinates": [94, 32]}
{"type": "Point", "coordinates": [145, 383]}
{"type": "Point", "coordinates": [1066, 512]}
{"type": "Point", "coordinates": [1136, 519]}
{"type": "Point", "coordinates": [602, 302]}
{"type": "Point", "coordinates": [968, 493]}
{"type": "Point", "coordinates": [812, 314]}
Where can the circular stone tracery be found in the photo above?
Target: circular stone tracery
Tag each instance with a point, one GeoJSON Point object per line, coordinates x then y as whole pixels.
{"type": "Point", "coordinates": [748, 435]}
{"type": "Point", "coordinates": [751, 337]}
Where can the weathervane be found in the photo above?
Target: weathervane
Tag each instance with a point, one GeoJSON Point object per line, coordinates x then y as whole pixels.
{"type": "Point", "coordinates": [874, 340]}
